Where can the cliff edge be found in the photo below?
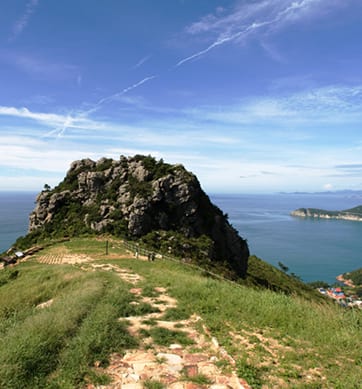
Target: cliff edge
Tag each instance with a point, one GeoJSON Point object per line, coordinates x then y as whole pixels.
{"type": "Point", "coordinates": [141, 198]}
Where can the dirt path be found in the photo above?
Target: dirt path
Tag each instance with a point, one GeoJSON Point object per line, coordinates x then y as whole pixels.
{"type": "Point", "coordinates": [193, 364]}
{"type": "Point", "coordinates": [198, 362]}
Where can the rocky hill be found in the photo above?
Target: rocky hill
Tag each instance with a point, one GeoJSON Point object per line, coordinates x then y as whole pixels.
{"type": "Point", "coordinates": [140, 197]}
{"type": "Point", "coordinates": [354, 214]}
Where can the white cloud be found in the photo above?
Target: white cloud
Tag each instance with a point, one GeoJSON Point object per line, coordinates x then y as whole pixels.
{"type": "Point", "coordinates": [266, 140]}
{"type": "Point", "coordinates": [37, 66]}
{"type": "Point", "coordinates": [327, 186]}
{"type": "Point", "coordinates": [24, 19]}
{"type": "Point", "coordinates": [57, 122]}
{"type": "Point", "coordinates": [327, 105]}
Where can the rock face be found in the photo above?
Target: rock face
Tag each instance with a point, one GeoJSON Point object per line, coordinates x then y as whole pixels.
{"type": "Point", "coordinates": [139, 197]}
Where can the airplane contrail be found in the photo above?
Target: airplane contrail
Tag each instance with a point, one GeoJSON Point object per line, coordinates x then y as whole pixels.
{"type": "Point", "coordinates": [283, 14]}
{"type": "Point", "coordinates": [116, 95]}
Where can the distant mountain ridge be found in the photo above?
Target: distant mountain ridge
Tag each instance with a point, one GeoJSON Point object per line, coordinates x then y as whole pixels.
{"type": "Point", "coordinates": [354, 214]}
{"type": "Point", "coordinates": [328, 192]}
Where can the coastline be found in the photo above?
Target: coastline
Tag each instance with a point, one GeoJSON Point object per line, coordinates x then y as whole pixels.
{"type": "Point", "coordinates": [306, 212]}
{"type": "Point", "coordinates": [344, 281]}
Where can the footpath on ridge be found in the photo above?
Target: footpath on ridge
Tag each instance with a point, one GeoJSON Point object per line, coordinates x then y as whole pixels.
{"type": "Point", "coordinates": [196, 363]}
{"type": "Point", "coordinates": [175, 366]}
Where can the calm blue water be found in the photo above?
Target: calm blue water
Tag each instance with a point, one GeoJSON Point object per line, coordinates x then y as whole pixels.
{"type": "Point", "coordinates": [313, 249]}
{"type": "Point", "coordinates": [14, 216]}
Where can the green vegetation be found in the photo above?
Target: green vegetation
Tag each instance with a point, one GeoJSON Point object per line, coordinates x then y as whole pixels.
{"type": "Point", "coordinates": [355, 276]}
{"type": "Point", "coordinates": [58, 346]}
{"type": "Point", "coordinates": [319, 284]}
{"type": "Point", "coordinates": [178, 245]}
{"type": "Point", "coordinates": [105, 164]}
{"type": "Point", "coordinates": [165, 337]}
{"type": "Point", "coordinates": [355, 212]}
{"type": "Point", "coordinates": [199, 379]}
{"type": "Point", "coordinates": [262, 274]}
{"type": "Point", "coordinates": [250, 373]}
{"type": "Point", "coordinates": [152, 384]}
{"type": "Point", "coordinates": [299, 339]}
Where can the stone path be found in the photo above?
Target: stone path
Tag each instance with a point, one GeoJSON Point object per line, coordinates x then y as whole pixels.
{"type": "Point", "coordinates": [175, 366]}
{"type": "Point", "coordinates": [125, 274]}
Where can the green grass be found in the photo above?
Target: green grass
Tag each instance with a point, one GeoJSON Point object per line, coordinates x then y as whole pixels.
{"type": "Point", "coordinates": [199, 379]}
{"type": "Point", "coordinates": [165, 337]}
{"type": "Point", "coordinates": [153, 384]}
{"type": "Point", "coordinates": [174, 314]}
{"type": "Point", "coordinates": [307, 332]}
{"type": "Point", "coordinates": [249, 373]}
{"type": "Point", "coordinates": [57, 346]}
{"type": "Point", "coordinates": [273, 336]}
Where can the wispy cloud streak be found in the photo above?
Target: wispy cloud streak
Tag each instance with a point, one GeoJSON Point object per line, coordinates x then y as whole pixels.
{"type": "Point", "coordinates": [141, 62]}
{"type": "Point", "coordinates": [77, 120]}
{"type": "Point", "coordinates": [246, 20]}
{"type": "Point", "coordinates": [23, 21]}
{"type": "Point", "coordinates": [117, 95]}
{"type": "Point", "coordinates": [59, 122]}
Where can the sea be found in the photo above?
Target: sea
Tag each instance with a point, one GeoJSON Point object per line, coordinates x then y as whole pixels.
{"type": "Point", "coordinates": [15, 208]}
{"type": "Point", "coordinates": [313, 249]}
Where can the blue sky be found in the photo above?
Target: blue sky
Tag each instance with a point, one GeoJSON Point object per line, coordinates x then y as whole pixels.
{"type": "Point", "coordinates": [252, 96]}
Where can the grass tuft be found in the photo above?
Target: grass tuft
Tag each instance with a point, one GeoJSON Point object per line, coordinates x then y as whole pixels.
{"type": "Point", "coordinates": [165, 337]}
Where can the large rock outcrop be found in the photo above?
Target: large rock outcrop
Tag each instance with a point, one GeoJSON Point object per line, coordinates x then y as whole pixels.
{"type": "Point", "coordinates": [139, 197]}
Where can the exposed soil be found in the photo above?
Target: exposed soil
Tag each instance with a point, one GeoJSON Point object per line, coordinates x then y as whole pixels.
{"type": "Point", "coordinates": [176, 366]}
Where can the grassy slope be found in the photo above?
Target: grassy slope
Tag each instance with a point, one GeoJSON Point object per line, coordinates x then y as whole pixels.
{"type": "Point", "coordinates": [275, 338]}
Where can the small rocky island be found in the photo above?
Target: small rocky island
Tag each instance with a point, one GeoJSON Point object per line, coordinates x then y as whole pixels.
{"type": "Point", "coordinates": [354, 214]}
{"type": "Point", "coordinates": [140, 198]}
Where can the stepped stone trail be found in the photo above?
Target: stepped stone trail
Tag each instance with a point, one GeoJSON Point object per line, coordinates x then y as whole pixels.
{"type": "Point", "coordinates": [61, 255]}
{"type": "Point", "coordinates": [174, 366]}
{"type": "Point", "coordinates": [126, 275]}
{"type": "Point", "coordinates": [57, 259]}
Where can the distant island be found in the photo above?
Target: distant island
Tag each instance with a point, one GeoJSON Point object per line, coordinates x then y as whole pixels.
{"type": "Point", "coordinates": [354, 214]}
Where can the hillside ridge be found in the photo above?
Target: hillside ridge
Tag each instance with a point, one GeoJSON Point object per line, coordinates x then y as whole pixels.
{"type": "Point", "coordinates": [77, 315]}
